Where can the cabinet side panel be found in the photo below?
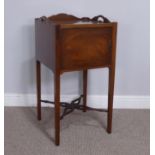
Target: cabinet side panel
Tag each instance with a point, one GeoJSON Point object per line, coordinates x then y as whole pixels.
{"type": "Point", "coordinates": [45, 43]}
{"type": "Point", "coordinates": [86, 48]}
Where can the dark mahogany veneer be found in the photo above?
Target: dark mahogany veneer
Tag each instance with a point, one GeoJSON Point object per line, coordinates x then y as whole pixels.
{"type": "Point", "coordinates": [67, 43]}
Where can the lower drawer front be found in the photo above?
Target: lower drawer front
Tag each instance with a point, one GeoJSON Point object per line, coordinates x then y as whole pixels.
{"type": "Point", "coordinates": [85, 48]}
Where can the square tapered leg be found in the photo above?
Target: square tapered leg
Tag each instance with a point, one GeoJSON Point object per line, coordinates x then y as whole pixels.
{"type": "Point", "coordinates": [110, 99]}
{"type": "Point", "coordinates": [57, 108]}
{"type": "Point", "coordinates": [85, 72]}
{"type": "Point", "coordinates": [38, 79]}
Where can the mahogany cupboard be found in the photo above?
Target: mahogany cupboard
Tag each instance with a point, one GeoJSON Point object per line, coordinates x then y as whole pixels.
{"type": "Point", "coordinates": [67, 43]}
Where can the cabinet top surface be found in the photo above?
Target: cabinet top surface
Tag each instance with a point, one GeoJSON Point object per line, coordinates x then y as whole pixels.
{"type": "Point", "coordinates": [70, 20]}
{"type": "Point", "coordinates": [77, 22]}
{"type": "Point", "coordinates": [80, 23]}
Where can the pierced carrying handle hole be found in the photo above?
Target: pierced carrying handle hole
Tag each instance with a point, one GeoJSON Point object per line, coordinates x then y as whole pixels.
{"type": "Point", "coordinates": [100, 19]}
